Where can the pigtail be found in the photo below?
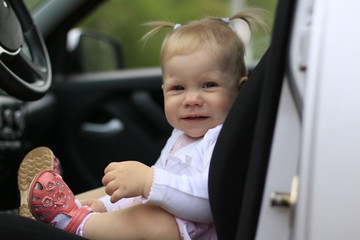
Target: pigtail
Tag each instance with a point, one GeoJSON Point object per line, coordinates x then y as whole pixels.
{"type": "Point", "coordinates": [158, 25]}
{"type": "Point", "coordinates": [253, 17]}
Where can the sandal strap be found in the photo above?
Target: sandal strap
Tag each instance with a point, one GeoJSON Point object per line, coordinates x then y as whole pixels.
{"type": "Point", "coordinates": [77, 219]}
{"type": "Point", "coordinates": [57, 165]}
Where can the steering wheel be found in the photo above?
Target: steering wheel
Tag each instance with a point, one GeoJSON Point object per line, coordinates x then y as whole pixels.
{"type": "Point", "coordinates": [25, 70]}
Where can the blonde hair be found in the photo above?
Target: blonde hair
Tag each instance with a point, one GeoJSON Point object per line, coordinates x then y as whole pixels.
{"type": "Point", "coordinates": [216, 33]}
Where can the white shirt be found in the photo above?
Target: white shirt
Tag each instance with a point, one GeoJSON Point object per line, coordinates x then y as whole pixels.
{"type": "Point", "coordinates": [180, 184]}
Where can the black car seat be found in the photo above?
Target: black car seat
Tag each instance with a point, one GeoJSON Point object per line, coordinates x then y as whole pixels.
{"type": "Point", "coordinates": [240, 159]}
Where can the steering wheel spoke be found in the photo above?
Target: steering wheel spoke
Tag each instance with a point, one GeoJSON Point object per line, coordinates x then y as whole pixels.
{"type": "Point", "coordinates": [28, 70]}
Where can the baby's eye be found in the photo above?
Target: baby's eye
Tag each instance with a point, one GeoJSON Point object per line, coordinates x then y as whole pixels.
{"type": "Point", "coordinates": [177, 88]}
{"type": "Point", "coordinates": [209, 85]}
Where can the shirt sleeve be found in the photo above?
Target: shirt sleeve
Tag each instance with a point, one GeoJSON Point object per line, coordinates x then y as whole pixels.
{"type": "Point", "coordinates": [181, 195]}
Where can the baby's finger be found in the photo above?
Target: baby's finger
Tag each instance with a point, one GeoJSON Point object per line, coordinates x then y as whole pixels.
{"type": "Point", "coordinates": [116, 196]}
{"type": "Point", "coordinates": [108, 177]}
{"type": "Point", "coordinates": [109, 167]}
{"type": "Point", "coordinates": [110, 188]}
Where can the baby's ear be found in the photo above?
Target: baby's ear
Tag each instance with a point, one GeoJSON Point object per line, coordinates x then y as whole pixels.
{"type": "Point", "coordinates": [241, 83]}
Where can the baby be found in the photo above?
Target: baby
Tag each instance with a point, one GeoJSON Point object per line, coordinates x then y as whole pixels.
{"type": "Point", "coordinates": [203, 71]}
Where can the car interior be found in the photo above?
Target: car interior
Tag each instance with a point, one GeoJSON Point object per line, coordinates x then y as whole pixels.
{"type": "Point", "coordinates": [84, 120]}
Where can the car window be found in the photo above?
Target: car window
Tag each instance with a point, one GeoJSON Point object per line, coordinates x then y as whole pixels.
{"type": "Point", "coordinates": [33, 4]}
{"type": "Point", "coordinates": [122, 20]}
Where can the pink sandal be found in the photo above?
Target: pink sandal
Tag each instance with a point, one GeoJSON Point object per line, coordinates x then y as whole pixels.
{"type": "Point", "coordinates": [37, 160]}
{"type": "Point", "coordinates": [50, 196]}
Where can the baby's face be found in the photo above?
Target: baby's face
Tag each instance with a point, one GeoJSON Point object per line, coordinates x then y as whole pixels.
{"type": "Point", "coordinates": [198, 94]}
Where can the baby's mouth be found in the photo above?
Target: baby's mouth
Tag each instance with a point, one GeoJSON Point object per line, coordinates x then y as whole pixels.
{"type": "Point", "coordinates": [194, 118]}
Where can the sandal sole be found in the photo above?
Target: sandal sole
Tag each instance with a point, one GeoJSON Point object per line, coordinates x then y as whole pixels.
{"type": "Point", "coordinates": [36, 161]}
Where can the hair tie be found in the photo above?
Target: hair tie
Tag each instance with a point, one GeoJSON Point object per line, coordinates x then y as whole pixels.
{"type": "Point", "coordinates": [227, 20]}
{"type": "Point", "coordinates": [177, 26]}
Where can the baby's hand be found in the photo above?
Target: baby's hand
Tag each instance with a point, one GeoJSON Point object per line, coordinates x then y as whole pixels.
{"type": "Point", "coordinates": [94, 204]}
{"type": "Point", "coordinates": [127, 179]}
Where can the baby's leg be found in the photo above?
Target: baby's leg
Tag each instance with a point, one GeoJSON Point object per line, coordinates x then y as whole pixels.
{"type": "Point", "coordinates": [143, 221]}
{"type": "Point", "coordinates": [51, 201]}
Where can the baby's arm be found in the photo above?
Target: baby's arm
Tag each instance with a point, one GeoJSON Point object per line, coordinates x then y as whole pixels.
{"type": "Point", "coordinates": [185, 196]}
{"type": "Point", "coordinates": [181, 195]}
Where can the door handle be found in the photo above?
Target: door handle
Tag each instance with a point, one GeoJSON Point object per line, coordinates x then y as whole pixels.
{"type": "Point", "coordinates": [111, 127]}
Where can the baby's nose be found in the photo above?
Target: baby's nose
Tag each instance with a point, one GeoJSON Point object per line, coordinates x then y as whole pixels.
{"type": "Point", "coordinates": [193, 98]}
